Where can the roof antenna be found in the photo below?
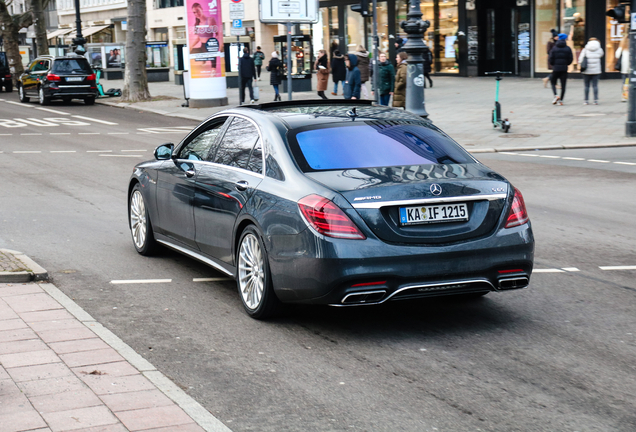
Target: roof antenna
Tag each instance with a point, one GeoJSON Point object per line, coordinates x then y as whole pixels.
{"type": "Point", "coordinates": [352, 113]}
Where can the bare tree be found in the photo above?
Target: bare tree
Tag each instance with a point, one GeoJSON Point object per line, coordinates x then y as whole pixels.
{"type": "Point", "coordinates": [10, 26]}
{"type": "Point", "coordinates": [37, 8]}
{"type": "Point", "coordinates": [135, 77]}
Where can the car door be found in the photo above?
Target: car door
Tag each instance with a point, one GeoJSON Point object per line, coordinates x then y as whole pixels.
{"type": "Point", "coordinates": [176, 184]}
{"type": "Point", "coordinates": [225, 186]}
{"type": "Point", "coordinates": [29, 77]}
{"type": "Point", "coordinates": [38, 73]}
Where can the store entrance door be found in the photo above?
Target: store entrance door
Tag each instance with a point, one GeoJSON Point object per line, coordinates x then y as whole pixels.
{"type": "Point", "coordinates": [498, 40]}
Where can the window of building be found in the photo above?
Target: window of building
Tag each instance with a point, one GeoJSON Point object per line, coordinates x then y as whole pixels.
{"type": "Point", "coordinates": [329, 23]}
{"type": "Point", "coordinates": [564, 16]}
{"type": "Point", "coordinates": [354, 30]}
{"type": "Point", "coordinates": [161, 4]}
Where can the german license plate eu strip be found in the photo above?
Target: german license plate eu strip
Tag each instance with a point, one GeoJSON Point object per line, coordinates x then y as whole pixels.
{"type": "Point", "coordinates": [433, 213]}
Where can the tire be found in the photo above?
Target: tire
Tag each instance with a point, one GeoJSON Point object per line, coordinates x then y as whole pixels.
{"type": "Point", "coordinates": [89, 101]}
{"type": "Point", "coordinates": [43, 99]}
{"type": "Point", "coordinates": [253, 279]}
{"type": "Point", "coordinates": [140, 226]}
{"type": "Point", "coordinates": [22, 95]}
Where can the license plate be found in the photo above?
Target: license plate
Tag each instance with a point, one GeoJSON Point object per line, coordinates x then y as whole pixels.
{"type": "Point", "coordinates": [433, 213]}
{"type": "Point", "coordinates": [74, 79]}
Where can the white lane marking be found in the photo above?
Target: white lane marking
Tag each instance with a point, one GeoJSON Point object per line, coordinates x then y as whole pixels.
{"type": "Point", "coordinates": [134, 150]}
{"type": "Point", "coordinates": [60, 133]}
{"type": "Point", "coordinates": [36, 122]}
{"type": "Point", "coordinates": [550, 157]}
{"type": "Point", "coordinates": [63, 151]}
{"type": "Point", "coordinates": [570, 269]}
{"type": "Point", "coordinates": [118, 133]}
{"type": "Point", "coordinates": [528, 155]}
{"type": "Point", "coordinates": [6, 134]}
{"type": "Point", "coordinates": [144, 133]}
{"type": "Point", "coordinates": [19, 103]}
{"type": "Point", "coordinates": [508, 153]}
{"type": "Point", "coordinates": [89, 133]}
{"type": "Point", "coordinates": [598, 160]}
{"type": "Point", "coordinates": [115, 155]}
{"type": "Point", "coordinates": [31, 134]}
{"type": "Point", "coordinates": [140, 281]}
{"type": "Point", "coordinates": [574, 158]}
{"type": "Point", "coordinates": [625, 163]}
{"type": "Point", "coordinates": [219, 279]}
{"type": "Point", "coordinates": [618, 267]}
{"type": "Point", "coordinates": [95, 120]}
{"type": "Point", "coordinates": [548, 271]}
{"type": "Point", "coordinates": [25, 151]}
{"type": "Point", "coordinates": [99, 151]}
{"type": "Point", "coordinates": [53, 111]}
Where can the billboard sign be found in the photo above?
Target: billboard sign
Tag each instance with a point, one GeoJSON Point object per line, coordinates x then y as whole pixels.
{"type": "Point", "coordinates": [288, 11]}
{"type": "Point", "coordinates": [205, 38]}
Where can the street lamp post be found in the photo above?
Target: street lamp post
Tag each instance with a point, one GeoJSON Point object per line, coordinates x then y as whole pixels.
{"type": "Point", "coordinates": [79, 40]}
{"type": "Point", "coordinates": [414, 47]}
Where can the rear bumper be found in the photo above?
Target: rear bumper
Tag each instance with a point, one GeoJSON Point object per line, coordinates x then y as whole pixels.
{"type": "Point", "coordinates": [348, 272]}
{"type": "Point", "coordinates": [77, 92]}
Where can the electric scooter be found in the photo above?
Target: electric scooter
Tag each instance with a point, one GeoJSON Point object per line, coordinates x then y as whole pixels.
{"type": "Point", "coordinates": [496, 113]}
{"type": "Point", "coordinates": [110, 92]}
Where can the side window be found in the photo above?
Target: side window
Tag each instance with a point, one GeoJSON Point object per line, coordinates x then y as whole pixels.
{"type": "Point", "coordinates": [40, 66]}
{"type": "Point", "coordinates": [237, 143]}
{"type": "Point", "coordinates": [200, 146]}
{"type": "Point", "coordinates": [256, 159]}
{"type": "Point", "coordinates": [32, 66]}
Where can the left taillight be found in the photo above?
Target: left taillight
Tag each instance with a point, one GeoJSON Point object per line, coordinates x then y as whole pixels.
{"type": "Point", "coordinates": [91, 77]}
{"type": "Point", "coordinates": [518, 214]}
{"type": "Point", "coordinates": [8, 76]}
{"type": "Point", "coordinates": [328, 219]}
{"type": "Point", "coordinates": [53, 78]}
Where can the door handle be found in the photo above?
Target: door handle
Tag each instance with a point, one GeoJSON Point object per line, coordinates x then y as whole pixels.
{"type": "Point", "coordinates": [241, 185]}
{"type": "Point", "coordinates": [190, 173]}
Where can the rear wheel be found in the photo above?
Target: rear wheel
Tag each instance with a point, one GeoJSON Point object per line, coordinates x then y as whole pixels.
{"type": "Point", "coordinates": [42, 98]}
{"type": "Point", "coordinates": [22, 95]}
{"type": "Point", "coordinates": [253, 278]}
{"type": "Point", "coordinates": [140, 226]}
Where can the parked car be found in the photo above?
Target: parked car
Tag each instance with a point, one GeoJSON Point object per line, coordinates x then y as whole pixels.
{"type": "Point", "coordinates": [336, 202]}
{"type": "Point", "coordinates": [6, 78]}
{"type": "Point", "coordinates": [65, 78]}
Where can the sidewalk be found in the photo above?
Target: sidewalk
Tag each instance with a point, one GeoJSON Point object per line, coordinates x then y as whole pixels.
{"type": "Point", "coordinates": [462, 108]}
{"type": "Point", "coordinates": [60, 370]}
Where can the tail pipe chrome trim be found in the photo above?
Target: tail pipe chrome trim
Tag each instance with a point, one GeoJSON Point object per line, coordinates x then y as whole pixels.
{"type": "Point", "coordinates": [363, 297]}
{"type": "Point", "coordinates": [513, 283]}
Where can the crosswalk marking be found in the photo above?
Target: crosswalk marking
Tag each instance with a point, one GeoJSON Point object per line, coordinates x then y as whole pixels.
{"type": "Point", "coordinates": [140, 281]}
{"type": "Point", "coordinates": [53, 111]}
{"type": "Point", "coordinates": [95, 120]}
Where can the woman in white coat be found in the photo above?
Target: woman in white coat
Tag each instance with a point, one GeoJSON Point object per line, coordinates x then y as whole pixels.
{"type": "Point", "coordinates": [622, 57]}
{"type": "Point", "coordinates": [593, 53]}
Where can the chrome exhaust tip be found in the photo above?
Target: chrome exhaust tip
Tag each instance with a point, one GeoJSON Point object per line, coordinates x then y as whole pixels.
{"type": "Point", "coordinates": [513, 283]}
{"type": "Point", "coordinates": [366, 297]}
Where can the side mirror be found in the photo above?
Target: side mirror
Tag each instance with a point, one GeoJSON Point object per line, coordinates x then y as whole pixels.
{"type": "Point", "coordinates": [164, 151]}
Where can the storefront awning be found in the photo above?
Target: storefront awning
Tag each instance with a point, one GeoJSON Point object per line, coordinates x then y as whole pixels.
{"type": "Point", "coordinates": [58, 33]}
{"type": "Point", "coordinates": [92, 30]}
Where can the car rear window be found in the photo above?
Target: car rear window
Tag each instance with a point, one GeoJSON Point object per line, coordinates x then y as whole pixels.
{"type": "Point", "coordinates": [373, 145]}
{"type": "Point", "coordinates": [78, 66]}
{"type": "Point", "coordinates": [3, 60]}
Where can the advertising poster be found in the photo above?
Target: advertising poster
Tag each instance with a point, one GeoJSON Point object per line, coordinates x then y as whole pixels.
{"type": "Point", "coordinates": [205, 38]}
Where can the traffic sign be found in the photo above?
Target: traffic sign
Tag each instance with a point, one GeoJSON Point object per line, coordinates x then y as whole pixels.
{"type": "Point", "coordinates": [237, 11]}
{"type": "Point", "coordinates": [288, 11]}
{"type": "Point", "coordinates": [238, 31]}
{"type": "Point", "coordinates": [237, 23]}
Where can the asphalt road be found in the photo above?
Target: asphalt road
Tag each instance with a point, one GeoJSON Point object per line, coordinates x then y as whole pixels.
{"type": "Point", "coordinates": [558, 355]}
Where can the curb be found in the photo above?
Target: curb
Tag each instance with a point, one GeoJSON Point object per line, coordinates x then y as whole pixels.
{"type": "Point", "coordinates": [34, 271]}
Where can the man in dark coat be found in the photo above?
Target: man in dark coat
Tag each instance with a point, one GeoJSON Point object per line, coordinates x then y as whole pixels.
{"type": "Point", "coordinates": [560, 58]}
{"type": "Point", "coordinates": [353, 81]}
{"type": "Point", "coordinates": [247, 71]}
{"type": "Point", "coordinates": [386, 79]}
{"type": "Point", "coordinates": [338, 70]}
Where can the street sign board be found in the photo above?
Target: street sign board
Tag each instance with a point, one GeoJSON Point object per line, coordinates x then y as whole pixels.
{"type": "Point", "coordinates": [288, 11]}
{"type": "Point", "coordinates": [238, 31]}
{"type": "Point", "coordinates": [237, 11]}
{"type": "Point", "coordinates": [237, 23]}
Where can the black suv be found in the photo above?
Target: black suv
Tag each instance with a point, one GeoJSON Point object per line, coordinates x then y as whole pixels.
{"type": "Point", "coordinates": [63, 78]}
{"type": "Point", "coordinates": [5, 73]}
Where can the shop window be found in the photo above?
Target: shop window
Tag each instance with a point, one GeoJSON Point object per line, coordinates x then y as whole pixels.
{"type": "Point", "coordinates": [564, 16]}
{"type": "Point", "coordinates": [329, 24]}
{"type": "Point", "coordinates": [157, 55]}
{"type": "Point", "coordinates": [383, 29]}
{"type": "Point", "coordinates": [354, 29]}
{"type": "Point", "coordinates": [616, 36]}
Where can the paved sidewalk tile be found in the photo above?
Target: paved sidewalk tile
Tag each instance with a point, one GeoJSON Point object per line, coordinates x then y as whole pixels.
{"type": "Point", "coordinates": [149, 418]}
{"type": "Point", "coordinates": [93, 357]}
{"type": "Point", "coordinates": [22, 346]}
{"type": "Point", "coordinates": [29, 358]}
{"type": "Point", "coordinates": [48, 315]}
{"type": "Point", "coordinates": [80, 418]}
{"type": "Point", "coordinates": [118, 427]}
{"type": "Point", "coordinates": [19, 289]}
{"type": "Point", "coordinates": [16, 412]}
{"type": "Point", "coordinates": [50, 336]}
{"type": "Point", "coordinates": [17, 335]}
{"type": "Point", "coordinates": [65, 324]}
{"type": "Point", "coordinates": [65, 401]}
{"type": "Point", "coordinates": [115, 369]}
{"type": "Point", "coordinates": [39, 372]}
{"type": "Point", "coordinates": [75, 346]}
{"type": "Point", "coordinates": [32, 302]}
{"type": "Point", "coordinates": [191, 427]}
{"type": "Point", "coordinates": [136, 400]}
{"type": "Point", "coordinates": [12, 324]}
{"type": "Point", "coordinates": [51, 386]}
{"type": "Point", "coordinates": [6, 313]}
{"type": "Point", "coordinates": [104, 384]}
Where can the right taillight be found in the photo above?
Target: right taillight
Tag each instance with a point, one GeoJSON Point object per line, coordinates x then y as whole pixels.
{"type": "Point", "coordinates": [328, 219]}
{"type": "Point", "coordinates": [517, 214]}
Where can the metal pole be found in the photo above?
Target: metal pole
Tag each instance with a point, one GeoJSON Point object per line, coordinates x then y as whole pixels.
{"type": "Point", "coordinates": [289, 62]}
{"type": "Point", "coordinates": [375, 52]}
{"type": "Point", "coordinates": [630, 126]}
{"type": "Point", "coordinates": [240, 78]}
{"type": "Point", "coordinates": [414, 47]}
{"type": "Point", "coordinates": [79, 40]}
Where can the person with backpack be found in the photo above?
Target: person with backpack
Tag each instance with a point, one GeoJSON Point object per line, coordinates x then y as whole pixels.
{"type": "Point", "coordinates": [386, 79]}
{"type": "Point", "coordinates": [353, 82]}
{"type": "Point", "coordinates": [338, 70]}
{"type": "Point", "coordinates": [590, 62]}
{"type": "Point", "coordinates": [276, 72]}
{"type": "Point", "coordinates": [259, 56]}
{"type": "Point", "coordinates": [560, 58]}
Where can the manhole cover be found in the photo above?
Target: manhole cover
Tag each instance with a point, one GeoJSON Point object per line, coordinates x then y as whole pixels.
{"type": "Point", "coordinates": [518, 136]}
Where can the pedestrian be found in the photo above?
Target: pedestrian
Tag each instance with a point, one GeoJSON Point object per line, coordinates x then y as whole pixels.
{"type": "Point", "coordinates": [275, 69]}
{"type": "Point", "coordinates": [591, 57]}
{"type": "Point", "coordinates": [560, 57]}
{"type": "Point", "coordinates": [622, 65]}
{"type": "Point", "coordinates": [353, 81]}
{"type": "Point", "coordinates": [259, 56]}
{"type": "Point", "coordinates": [322, 72]}
{"type": "Point", "coordinates": [338, 70]}
{"type": "Point", "coordinates": [399, 90]}
{"type": "Point", "coordinates": [549, 46]}
{"type": "Point", "coordinates": [386, 79]}
{"type": "Point", "coordinates": [428, 65]}
{"type": "Point", "coordinates": [363, 66]}
{"type": "Point", "coordinates": [248, 73]}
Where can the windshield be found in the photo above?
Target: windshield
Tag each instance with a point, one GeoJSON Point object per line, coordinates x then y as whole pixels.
{"type": "Point", "coordinates": [78, 66]}
{"type": "Point", "coordinates": [373, 145]}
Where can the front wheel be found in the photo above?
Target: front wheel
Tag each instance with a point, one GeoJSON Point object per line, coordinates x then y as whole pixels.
{"type": "Point", "coordinates": [253, 279]}
{"type": "Point", "coordinates": [140, 226]}
{"type": "Point", "coordinates": [22, 95]}
{"type": "Point", "coordinates": [42, 98]}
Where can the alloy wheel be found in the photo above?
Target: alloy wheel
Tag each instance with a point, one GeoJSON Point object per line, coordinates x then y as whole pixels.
{"type": "Point", "coordinates": [251, 277]}
{"type": "Point", "coordinates": [41, 95]}
{"type": "Point", "coordinates": [138, 222]}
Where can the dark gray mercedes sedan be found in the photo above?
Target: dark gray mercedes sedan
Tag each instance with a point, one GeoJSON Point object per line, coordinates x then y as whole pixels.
{"type": "Point", "coordinates": [337, 202]}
